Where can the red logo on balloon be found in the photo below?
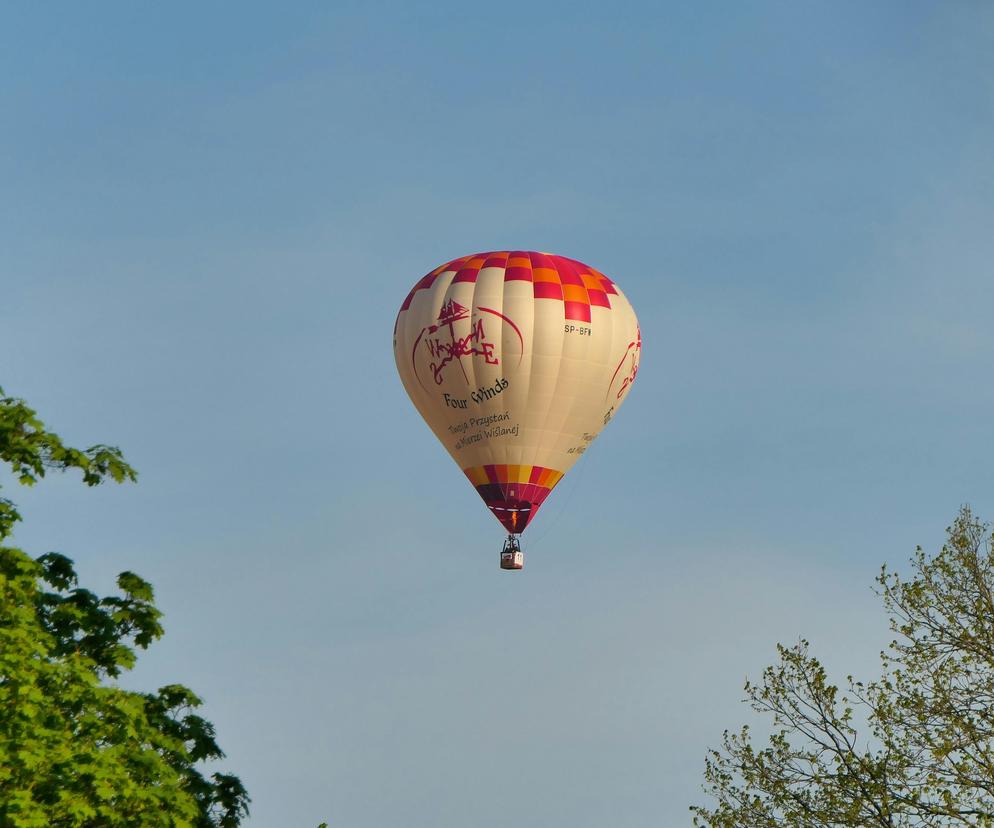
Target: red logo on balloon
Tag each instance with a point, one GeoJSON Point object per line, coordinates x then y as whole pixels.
{"type": "Point", "coordinates": [444, 345]}
{"type": "Point", "coordinates": [443, 352]}
{"type": "Point", "coordinates": [632, 356]}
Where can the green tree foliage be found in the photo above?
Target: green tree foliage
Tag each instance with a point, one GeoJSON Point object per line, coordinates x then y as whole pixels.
{"type": "Point", "coordinates": [77, 751]}
{"type": "Point", "coordinates": [912, 748]}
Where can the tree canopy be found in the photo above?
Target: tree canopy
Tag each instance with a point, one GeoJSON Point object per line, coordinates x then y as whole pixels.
{"type": "Point", "coordinates": [76, 750]}
{"type": "Point", "coordinates": [914, 747]}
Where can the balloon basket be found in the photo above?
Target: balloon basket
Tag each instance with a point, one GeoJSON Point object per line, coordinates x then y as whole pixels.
{"type": "Point", "coordinates": [511, 556]}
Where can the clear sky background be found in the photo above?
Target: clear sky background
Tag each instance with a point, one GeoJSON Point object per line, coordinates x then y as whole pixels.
{"type": "Point", "coordinates": [209, 215]}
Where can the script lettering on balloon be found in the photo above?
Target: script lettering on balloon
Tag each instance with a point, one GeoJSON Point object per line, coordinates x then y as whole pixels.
{"type": "Point", "coordinates": [444, 344]}
{"type": "Point", "coordinates": [633, 352]}
{"type": "Point", "coordinates": [459, 346]}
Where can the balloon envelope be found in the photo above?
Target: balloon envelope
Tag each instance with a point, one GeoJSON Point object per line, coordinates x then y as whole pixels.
{"type": "Point", "coordinates": [516, 360]}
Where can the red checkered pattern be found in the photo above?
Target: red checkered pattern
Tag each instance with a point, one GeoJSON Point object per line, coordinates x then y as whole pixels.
{"type": "Point", "coordinates": [568, 281]}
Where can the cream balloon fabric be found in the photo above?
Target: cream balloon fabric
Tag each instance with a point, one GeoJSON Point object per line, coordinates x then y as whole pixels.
{"type": "Point", "coordinates": [516, 360]}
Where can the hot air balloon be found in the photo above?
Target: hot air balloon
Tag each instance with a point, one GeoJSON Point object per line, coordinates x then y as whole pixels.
{"type": "Point", "coordinates": [516, 360]}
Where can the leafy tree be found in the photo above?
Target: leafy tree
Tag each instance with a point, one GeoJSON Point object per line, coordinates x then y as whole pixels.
{"type": "Point", "coordinates": [77, 751]}
{"type": "Point", "coordinates": [914, 747]}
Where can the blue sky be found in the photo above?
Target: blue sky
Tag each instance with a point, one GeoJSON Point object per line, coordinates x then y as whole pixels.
{"type": "Point", "coordinates": [208, 218]}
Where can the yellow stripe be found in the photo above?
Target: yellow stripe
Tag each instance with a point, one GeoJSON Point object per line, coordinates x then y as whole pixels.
{"type": "Point", "coordinates": [512, 473]}
{"type": "Point", "coordinates": [477, 475]}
